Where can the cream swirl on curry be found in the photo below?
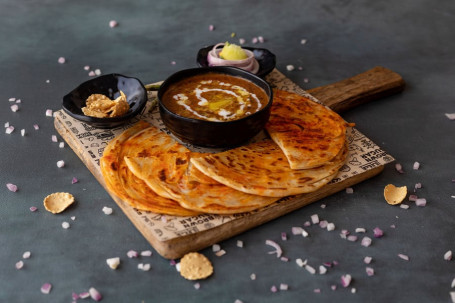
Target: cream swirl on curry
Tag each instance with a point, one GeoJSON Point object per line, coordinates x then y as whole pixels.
{"type": "Point", "coordinates": [214, 97]}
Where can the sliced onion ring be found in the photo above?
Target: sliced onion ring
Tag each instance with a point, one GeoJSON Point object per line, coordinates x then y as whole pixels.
{"type": "Point", "coordinates": [249, 64]}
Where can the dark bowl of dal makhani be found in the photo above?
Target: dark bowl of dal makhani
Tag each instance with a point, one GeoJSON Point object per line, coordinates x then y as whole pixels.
{"type": "Point", "coordinates": [215, 107]}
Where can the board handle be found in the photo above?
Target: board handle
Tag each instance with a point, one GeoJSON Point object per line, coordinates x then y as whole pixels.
{"type": "Point", "coordinates": [378, 82]}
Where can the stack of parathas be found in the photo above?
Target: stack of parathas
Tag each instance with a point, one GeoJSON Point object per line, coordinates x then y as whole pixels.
{"type": "Point", "coordinates": [151, 171]}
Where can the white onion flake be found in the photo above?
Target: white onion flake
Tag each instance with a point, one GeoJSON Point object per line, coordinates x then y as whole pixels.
{"type": "Point", "coordinates": [11, 187]}
{"type": "Point", "coordinates": [369, 271]}
{"type": "Point", "coordinates": [421, 202]}
{"type": "Point", "coordinates": [448, 255]}
{"type": "Point", "coordinates": [46, 288]}
{"type": "Point", "coordinates": [346, 280]}
{"type": "Point", "coordinates": [403, 256]}
{"type": "Point", "coordinates": [95, 294]}
{"type": "Point", "coordinates": [366, 241]}
{"type": "Point", "coordinates": [278, 251]}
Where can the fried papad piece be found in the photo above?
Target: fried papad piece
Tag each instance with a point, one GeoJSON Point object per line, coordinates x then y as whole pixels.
{"type": "Point", "coordinates": [309, 133]}
{"type": "Point", "coordinates": [262, 169]}
{"type": "Point", "coordinates": [194, 190]}
{"type": "Point", "coordinates": [122, 182]}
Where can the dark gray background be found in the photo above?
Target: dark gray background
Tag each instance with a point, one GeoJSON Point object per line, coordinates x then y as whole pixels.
{"type": "Point", "coordinates": [414, 38]}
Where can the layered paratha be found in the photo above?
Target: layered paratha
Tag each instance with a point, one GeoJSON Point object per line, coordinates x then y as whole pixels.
{"type": "Point", "coordinates": [121, 181]}
{"type": "Point", "coordinates": [194, 190]}
{"type": "Point", "coordinates": [308, 133]}
{"type": "Point", "coordinates": [262, 169]}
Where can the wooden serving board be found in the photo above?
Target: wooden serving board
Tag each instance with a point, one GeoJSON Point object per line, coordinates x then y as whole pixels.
{"type": "Point", "coordinates": [202, 231]}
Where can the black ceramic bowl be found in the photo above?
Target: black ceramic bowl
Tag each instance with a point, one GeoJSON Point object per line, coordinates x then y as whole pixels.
{"type": "Point", "coordinates": [266, 59]}
{"type": "Point", "coordinates": [108, 85]}
{"type": "Point", "coordinates": [210, 133]}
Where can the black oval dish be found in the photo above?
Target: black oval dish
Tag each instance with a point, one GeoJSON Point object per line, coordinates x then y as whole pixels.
{"type": "Point", "coordinates": [266, 59]}
{"type": "Point", "coordinates": [108, 85]}
{"type": "Point", "coordinates": [210, 133]}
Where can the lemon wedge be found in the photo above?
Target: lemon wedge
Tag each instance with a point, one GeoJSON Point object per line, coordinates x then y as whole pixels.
{"type": "Point", "coordinates": [232, 52]}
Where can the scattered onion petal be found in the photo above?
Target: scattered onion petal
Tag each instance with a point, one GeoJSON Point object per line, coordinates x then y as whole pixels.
{"type": "Point", "coordinates": [284, 286]}
{"type": "Point", "coordinates": [33, 208]}
{"type": "Point", "coordinates": [9, 130]}
{"type": "Point", "coordinates": [26, 255]}
{"type": "Point", "coordinates": [46, 288]}
{"type": "Point", "coordinates": [366, 241]}
{"type": "Point", "coordinates": [322, 270]}
{"type": "Point", "coordinates": [296, 230]}
{"type": "Point", "coordinates": [49, 113]}
{"type": "Point", "coordinates": [403, 256]}
{"type": "Point", "coordinates": [146, 253]}
{"type": "Point", "coordinates": [74, 180]}
{"type": "Point", "coordinates": [14, 108]}
{"type": "Point", "coordinates": [113, 23]}
{"type": "Point", "coordinates": [399, 168]}
{"type": "Point", "coordinates": [60, 163]}
{"type": "Point", "coordinates": [367, 260]}
{"type": "Point", "coordinates": [220, 253]}
{"type": "Point", "coordinates": [416, 165]}
{"type": "Point", "coordinates": [278, 251]}
{"type": "Point", "coordinates": [132, 254]}
{"type": "Point", "coordinates": [84, 295]}
{"type": "Point", "coordinates": [421, 202]}
{"type": "Point", "coordinates": [369, 271]}
{"type": "Point", "coordinates": [450, 116]}
{"type": "Point", "coordinates": [95, 294]}
{"type": "Point", "coordinates": [346, 280]}
{"type": "Point", "coordinates": [239, 243]}
{"type": "Point", "coordinates": [310, 269]}
{"type": "Point", "coordinates": [352, 238]}
{"type": "Point", "coordinates": [448, 255]}
{"type": "Point", "coordinates": [19, 265]}
{"type": "Point", "coordinates": [107, 210]}
{"type": "Point", "coordinates": [273, 289]}
{"type": "Point", "coordinates": [12, 187]}
{"type": "Point", "coordinates": [315, 219]}
{"type": "Point", "coordinates": [61, 60]}
{"type": "Point", "coordinates": [378, 233]}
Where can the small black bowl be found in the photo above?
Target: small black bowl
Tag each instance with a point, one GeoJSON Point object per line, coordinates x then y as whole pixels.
{"type": "Point", "coordinates": [266, 59]}
{"type": "Point", "coordinates": [108, 85]}
{"type": "Point", "coordinates": [211, 133]}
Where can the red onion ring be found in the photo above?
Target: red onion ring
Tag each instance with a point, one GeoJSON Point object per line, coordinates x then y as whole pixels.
{"type": "Point", "coordinates": [249, 64]}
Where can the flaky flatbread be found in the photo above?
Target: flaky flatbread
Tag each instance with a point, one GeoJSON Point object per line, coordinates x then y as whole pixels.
{"type": "Point", "coordinates": [194, 190]}
{"type": "Point", "coordinates": [309, 133]}
{"type": "Point", "coordinates": [262, 169]}
{"type": "Point", "coordinates": [122, 182]}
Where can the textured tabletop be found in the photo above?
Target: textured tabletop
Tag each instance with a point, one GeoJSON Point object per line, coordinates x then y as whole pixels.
{"type": "Point", "coordinates": [324, 41]}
